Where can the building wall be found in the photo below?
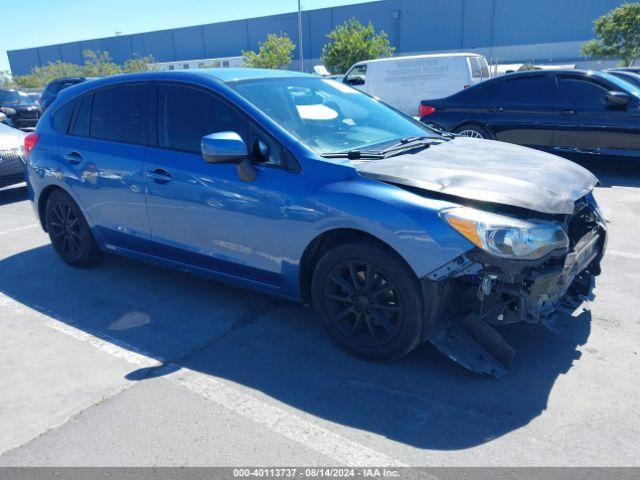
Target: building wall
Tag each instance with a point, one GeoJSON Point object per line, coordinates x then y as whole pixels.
{"type": "Point", "coordinates": [554, 30]}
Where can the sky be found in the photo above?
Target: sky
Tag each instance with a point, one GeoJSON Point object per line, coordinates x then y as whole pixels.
{"type": "Point", "coordinates": [45, 22]}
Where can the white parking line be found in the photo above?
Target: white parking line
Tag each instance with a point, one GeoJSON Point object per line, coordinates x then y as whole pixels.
{"type": "Point", "coordinates": [17, 229]}
{"type": "Point", "coordinates": [294, 427]}
{"type": "Point", "coordinates": [618, 253]}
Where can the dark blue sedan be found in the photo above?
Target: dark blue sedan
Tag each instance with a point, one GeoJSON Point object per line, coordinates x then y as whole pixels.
{"type": "Point", "coordinates": [582, 115]}
{"type": "Point", "coordinates": [307, 189]}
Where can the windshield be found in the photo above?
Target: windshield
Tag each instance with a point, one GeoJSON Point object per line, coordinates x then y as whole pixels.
{"type": "Point", "coordinates": [622, 84]}
{"type": "Point", "coordinates": [10, 97]}
{"type": "Point", "coordinates": [24, 98]}
{"type": "Point", "coordinates": [328, 116]}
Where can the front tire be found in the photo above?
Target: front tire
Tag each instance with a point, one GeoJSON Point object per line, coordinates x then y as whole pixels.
{"type": "Point", "coordinates": [369, 300]}
{"type": "Point", "coordinates": [69, 232]}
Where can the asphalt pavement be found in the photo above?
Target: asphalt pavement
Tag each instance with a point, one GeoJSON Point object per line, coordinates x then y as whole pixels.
{"type": "Point", "coordinates": [134, 365]}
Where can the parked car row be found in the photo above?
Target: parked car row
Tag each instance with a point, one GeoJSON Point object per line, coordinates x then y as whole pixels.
{"type": "Point", "coordinates": [581, 115]}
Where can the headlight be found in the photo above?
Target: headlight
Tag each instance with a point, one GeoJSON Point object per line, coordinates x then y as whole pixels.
{"type": "Point", "coordinates": [505, 236]}
{"type": "Point", "coordinates": [8, 110]}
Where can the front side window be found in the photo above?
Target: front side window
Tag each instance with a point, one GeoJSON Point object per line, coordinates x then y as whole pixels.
{"type": "Point", "coordinates": [357, 75]}
{"type": "Point", "coordinates": [118, 114]}
{"type": "Point", "coordinates": [530, 90]}
{"type": "Point", "coordinates": [187, 114]}
{"type": "Point", "coordinates": [328, 116]}
{"type": "Point", "coordinates": [575, 92]}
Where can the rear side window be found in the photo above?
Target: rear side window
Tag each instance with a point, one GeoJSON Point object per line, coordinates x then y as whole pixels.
{"type": "Point", "coordinates": [530, 90]}
{"type": "Point", "coordinates": [186, 114]}
{"type": "Point", "coordinates": [118, 114]}
{"type": "Point", "coordinates": [484, 66]}
{"type": "Point", "coordinates": [476, 70]}
{"type": "Point", "coordinates": [62, 117]}
{"type": "Point", "coordinates": [574, 92]}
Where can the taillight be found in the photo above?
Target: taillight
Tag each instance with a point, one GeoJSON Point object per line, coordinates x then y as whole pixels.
{"type": "Point", "coordinates": [426, 110]}
{"type": "Point", "coordinates": [30, 142]}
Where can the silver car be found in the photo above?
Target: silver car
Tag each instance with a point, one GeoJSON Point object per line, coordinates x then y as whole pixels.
{"type": "Point", "coordinates": [12, 156]}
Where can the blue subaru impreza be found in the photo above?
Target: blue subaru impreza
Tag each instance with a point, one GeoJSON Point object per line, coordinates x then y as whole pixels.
{"type": "Point", "coordinates": [305, 188]}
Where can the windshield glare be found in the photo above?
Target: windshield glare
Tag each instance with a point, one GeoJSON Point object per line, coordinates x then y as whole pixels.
{"type": "Point", "coordinates": [328, 116]}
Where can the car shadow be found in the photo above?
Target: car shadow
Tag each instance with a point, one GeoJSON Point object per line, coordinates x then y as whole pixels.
{"type": "Point", "coordinates": [10, 195]}
{"type": "Point", "coordinates": [277, 348]}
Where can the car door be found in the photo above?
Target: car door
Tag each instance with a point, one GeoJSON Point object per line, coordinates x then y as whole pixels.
{"type": "Point", "coordinates": [102, 159]}
{"type": "Point", "coordinates": [203, 214]}
{"type": "Point", "coordinates": [518, 109]}
{"type": "Point", "coordinates": [588, 124]}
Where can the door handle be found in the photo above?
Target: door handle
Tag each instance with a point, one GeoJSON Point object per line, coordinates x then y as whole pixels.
{"type": "Point", "coordinates": [567, 112]}
{"type": "Point", "coordinates": [495, 110]}
{"type": "Point", "coordinates": [159, 175]}
{"type": "Point", "coordinates": [74, 158]}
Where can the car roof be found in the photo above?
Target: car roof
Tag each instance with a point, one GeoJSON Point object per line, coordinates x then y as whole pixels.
{"type": "Point", "coordinates": [419, 57]}
{"type": "Point", "coordinates": [237, 74]}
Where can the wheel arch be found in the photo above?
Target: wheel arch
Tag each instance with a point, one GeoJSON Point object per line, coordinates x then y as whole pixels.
{"type": "Point", "coordinates": [327, 240]}
{"type": "Point", "coordinates": [475, 123]}
{"type": "Point", "coordinates": [42, 202]}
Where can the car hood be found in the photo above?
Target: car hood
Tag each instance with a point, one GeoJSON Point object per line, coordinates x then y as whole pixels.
{"type": "Point", "coordinates": [21, 106]}
{"type": "Point", "coordinates": [488, 171]}
{"type": "Point", "coordinates": [10, 137]}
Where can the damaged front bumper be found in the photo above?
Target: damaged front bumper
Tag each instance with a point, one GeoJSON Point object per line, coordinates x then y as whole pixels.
{"type": "Point", "coordinates": [477, 293]}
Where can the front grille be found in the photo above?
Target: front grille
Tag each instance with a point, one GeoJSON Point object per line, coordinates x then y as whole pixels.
{"type": "Point", "coordinates": [11, 167]}
{"type": "Point", "coordinates": [27, 115]}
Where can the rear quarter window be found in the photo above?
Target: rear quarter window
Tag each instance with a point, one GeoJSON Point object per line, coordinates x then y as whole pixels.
{"type": "Point", "coordinates": [62, 117]}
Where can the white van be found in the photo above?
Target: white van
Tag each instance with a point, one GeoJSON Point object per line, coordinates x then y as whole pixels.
{"type": "Point", "coordinates": [404, 81]}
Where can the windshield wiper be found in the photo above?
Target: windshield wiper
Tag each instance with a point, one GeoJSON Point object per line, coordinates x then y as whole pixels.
{"type": "Point", "coordinates": [355, 155]}
{"type": "Point", "coordinates": [410, 142]}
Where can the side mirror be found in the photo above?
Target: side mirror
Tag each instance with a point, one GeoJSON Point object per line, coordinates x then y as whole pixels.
{"type": "Point", "coordinates": [354, 81]}
{"type": "Point", "coordinates": [228, 147]}
{"type": "Point", "coordinates": [3, 117]}
{"type": "Point", "coordinates": [617, 99]}
{"type": "Point", "coordinates": [223, 147]}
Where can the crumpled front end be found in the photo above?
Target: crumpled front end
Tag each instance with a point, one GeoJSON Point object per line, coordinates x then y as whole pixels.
{"type": "Point", "coordinates": [484, 292]}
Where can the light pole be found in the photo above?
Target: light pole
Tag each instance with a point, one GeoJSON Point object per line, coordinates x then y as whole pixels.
{"type": "Point", "coordinates": [300, 36]}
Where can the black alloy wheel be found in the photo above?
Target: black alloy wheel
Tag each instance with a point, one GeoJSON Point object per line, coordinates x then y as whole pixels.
{"type": "Point", "coordinates": [69, 233]}
{"type": "Point", "coordinates": [369, 300]}
{"type": "Point", "coordinates": [363, 303]}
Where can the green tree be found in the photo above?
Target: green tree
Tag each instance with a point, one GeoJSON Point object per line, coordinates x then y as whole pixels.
{"type": "Point", "coordinates": [618, 35]}
{"type": "Point", "coordinates": [275, 52]}
{"type": "Point", "coordinates": [351, 43]}
{"type": "Point", "coordinates": [6, 80]}
{"type": "Point", "coordinates": [99, 64]}
{"type": "Point", "coordinates": [41, 76]}
{"type": "Point", "coordinates": [139, 64]}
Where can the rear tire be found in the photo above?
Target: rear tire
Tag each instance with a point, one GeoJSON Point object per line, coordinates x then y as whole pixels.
{"type": "Point", "coordinates": [369, 300]}
{"type": "Point", "coordinates": [69, 232]}
{"type": "Point", "coordinates": [472, 131]}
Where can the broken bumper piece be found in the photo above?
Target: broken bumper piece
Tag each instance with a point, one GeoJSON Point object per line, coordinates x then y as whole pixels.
{"type": "Point", "coordinates": [484, 293]}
